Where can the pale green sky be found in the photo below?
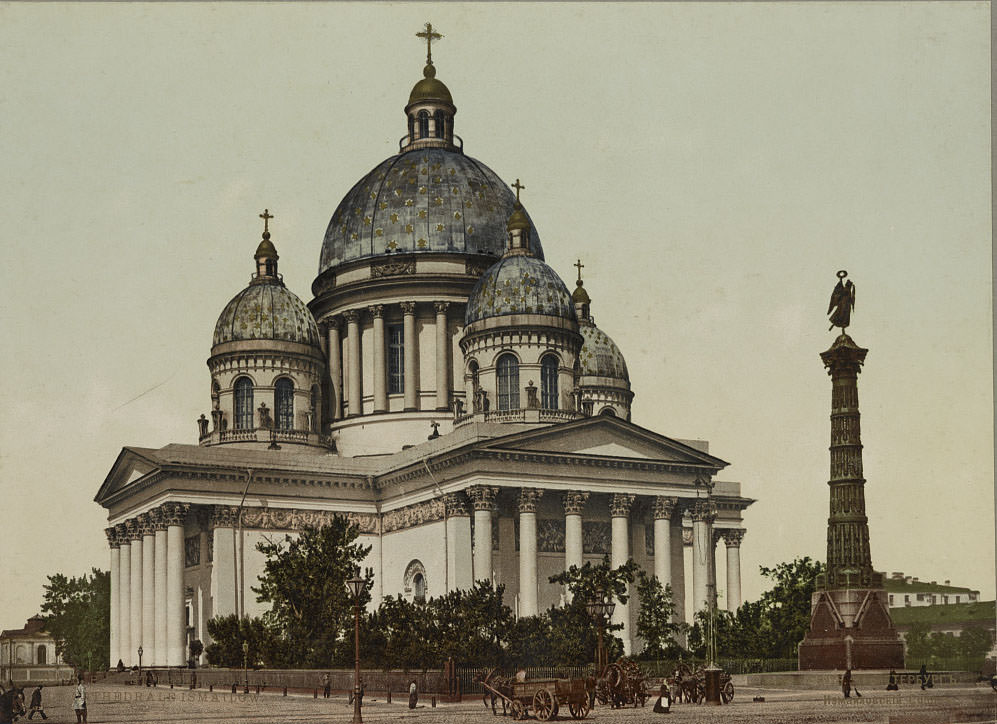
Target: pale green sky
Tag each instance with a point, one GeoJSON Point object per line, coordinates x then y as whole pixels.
{"type": "Point", "coordinates": [713, 166]}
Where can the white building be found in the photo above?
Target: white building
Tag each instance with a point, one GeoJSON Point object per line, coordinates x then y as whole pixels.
{"type": "Point", "coordinates": [432, 308]}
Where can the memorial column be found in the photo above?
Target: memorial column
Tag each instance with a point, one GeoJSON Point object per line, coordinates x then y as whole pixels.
{"type": "Point", "coordinates": [335, 349]}
{"type": "Point", "coordinates": [159, 585]}
{"type": "Point", "coordinates": [619, 510]}
{"type": "Point", "coordinates": [411, 343]}
{"type": "Point", "coordinates": [124, 595]}
{"type": "Point", "coordinates": [442, 357]}
{"type": "Point", "coordinates": [733, 538]}
{"type": "Point", "coordinates": [528, 499]}
{"type": "Point", "coordinates": [174, 515]}
{"type": "Point", "coordinates": [115, 621]}
{"type": "Point", "coordinates": [355, 390]}
{"type": "Point", "coordinates": [483, 501]}
{"type": "Point", "coordinates": [148, 586]}
{"type": "Point", "coordinates": [380, 369]}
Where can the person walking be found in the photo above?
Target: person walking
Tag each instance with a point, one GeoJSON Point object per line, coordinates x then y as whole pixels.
{"type": "Point", "coordinates": [36, 703]}
{"type": "Point", "coordinates": [80, 701]}
{"type": "Point", "coordinates": [413, 695]}
{"type": "Point", "coordinates": [663, 704]}
{"type": "Point", "coordinates": [846, 683]}
{"type": "Point", "coordinates": [326, 685]}
{"type": "Point", "coordinates": [923, 675]}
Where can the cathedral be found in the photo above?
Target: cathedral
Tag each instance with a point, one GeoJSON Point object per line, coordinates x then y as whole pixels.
{"type": "Point", "coordinates": [444, 390]}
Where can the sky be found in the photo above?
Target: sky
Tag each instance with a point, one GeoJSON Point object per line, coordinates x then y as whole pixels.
{"type": "Point", "coordinates": [713, 166]}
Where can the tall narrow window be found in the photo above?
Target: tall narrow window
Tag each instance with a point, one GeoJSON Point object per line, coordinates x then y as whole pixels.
{"type": "Point", "coordinates": [423, 124]}
{"type": "Point", "coordinates": [507, 371]}
{"type": "Point", "coordinates": [396, 359]}
{"type": "Point", "coordinates": [439, 123]}
{"type": "Point", "coordinates": [473, 368]}
{"type": "Point", "coordinates": [42, 654]}
{"type": "Point", "coordinates": [548, 382]}
{"type": "Point", "coordinates": [244, 404]}
{"type": "Point", "coordinates": [411, 128]}
{"type": "Point", "coordinates": [419, 584]}
{"type": "Point", "coordinates": [283, 397]}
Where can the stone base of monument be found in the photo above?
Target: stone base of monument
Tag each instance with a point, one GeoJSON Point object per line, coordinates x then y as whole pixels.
{"type": "Point", "coordinates": [850, 628]}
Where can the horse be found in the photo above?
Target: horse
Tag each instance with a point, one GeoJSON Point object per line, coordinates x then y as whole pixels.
{"type": "Point", "coordinates": [495, 682]}
{"type": "Point", "coordinates": [11, 705]}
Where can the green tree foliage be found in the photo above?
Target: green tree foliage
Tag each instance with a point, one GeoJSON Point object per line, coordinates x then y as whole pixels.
{"type": "Point", "coordinates": [228, 634]}
{"type": "Point", "coordinates": [654, 622]}
{"type": "Point", "coordinates": [585, 582]}
{"type": "Point", "coordinates": [78, 615]}
{"type": "Point", "coordinates": [975, 641]}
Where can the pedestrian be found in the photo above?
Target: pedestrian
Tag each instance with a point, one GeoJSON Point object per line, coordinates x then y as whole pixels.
{"type": "Point", "coordinates": [846, 683]}
{"type": "Point", "coordinates": [36, 703]}
{"type": "Point", "coordinates": [892, 686]}
{"type": "Point", "coordinates": [326, 685]}
{"type": "Point", "coordinates": [923, 676]}
{"type": "Point", "coordinates": [80, 701]}
{"type": "Point", "coordinates": [413, 695]}
{"type": "Point", "coordinates": [663, 704]}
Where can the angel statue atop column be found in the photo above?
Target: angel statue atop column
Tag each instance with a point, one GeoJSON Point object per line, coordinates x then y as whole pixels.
{"type": "Point", "coordinates": [842, 302]}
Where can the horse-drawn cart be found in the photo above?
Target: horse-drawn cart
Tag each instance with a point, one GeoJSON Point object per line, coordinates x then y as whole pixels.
{"type": "Point", "coordinates": [545, 697]}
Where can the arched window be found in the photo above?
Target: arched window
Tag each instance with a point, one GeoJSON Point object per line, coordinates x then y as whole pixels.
{"type": "Point", "coordinates": [244, 404]}
{"type": "Point", "coordinates": [423, 124]}
{"type": "Point", "coordinates": [419, 588]}
{"type": "Point", "coordinates": [608, 412]}
{"type": "Point", "coordinates": [283, 397]}
{"type": "Point", "coordinates": [473, 369]}
{"type": "Point", "coordinates": [414, 581]}
{"type": "Point", "coordinates": [42, 654]}
{"type": "Point", "coordinates": [411, 128]}
{"type": "Point", "coordinates": [19, 655]}
{"type": "Point", "coordinates": [507, 371]}
{"type": "Point", "coordinates": [439, 123]}
{"type": "Point", "coordinates": [548, 382]}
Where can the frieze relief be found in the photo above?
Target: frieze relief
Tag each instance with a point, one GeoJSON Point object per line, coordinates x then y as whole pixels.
{"type": "Point", "coordinates": [596, 536]}
{"type": "Point", "coordinates": [392, 268]}
{"type": "Point", "coordinates": [294, 519]}
{"type": "Point", "coordinates": [412, 515]}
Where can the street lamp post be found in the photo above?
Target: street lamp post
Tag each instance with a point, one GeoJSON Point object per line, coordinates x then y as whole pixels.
{"type": "Point", "coordinates": [245, 663]}
{"type": "Point", "coordinates": [599, 609]}
{"type": "Point", "coordinates": [140, 664]}
{"type": "Point", "coordinates": [356, 585]}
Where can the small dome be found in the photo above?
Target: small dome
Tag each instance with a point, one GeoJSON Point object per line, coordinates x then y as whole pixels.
{"type": "Point", "coordinates": [518, 219]}
{"type": "Point", "coordinates": [266, 249]}
{"type": "Point", "coordinates": [519, 284]}
{"type": "Point", "coordinates": [430, 89]}
{"type": "Point", "coordinates": [580, 296]}
{"type": "Point", "coordinates": [599, 356]}
{"type": "Point", "coordinates": [266, 310]}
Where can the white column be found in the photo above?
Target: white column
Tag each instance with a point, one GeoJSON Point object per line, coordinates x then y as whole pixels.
{"type": "Point", "coordinates": [702, 539]}
{"type": "Point", "coordinates": [124, 596]}
{"type": "Point", "coordinates": [135, 606]}
{"type": "Point", "coordinates": [664, 508]}
{"type": "Point", "coordinates": [148, 588]}
{"type": "Point", "coordinates": [459, 573]}
{"type": "Point", "coordinates": [223, 588]}
{"type": "Point", "coordinates": [483, 501]}
{"type": "Point", "coordinates": [114, 543]}
{"type": "Point", "coordinates": [159, 585]}
{"type": "Point", "coordinates": [411, 356]}
{"type": "Point", "coordinates": [573, 502]}
{"type": "Point", "coordinates": [174, 515]}
{"type": "Point", "coordinates": [528, 498]}
{"type": "Point", "coordinates": [442, 357]}
{"type": "Point", "coordinates": [733, 540]}
{"type": "Point", "coordinates": [335, 350]}
{"type": "Point", "coordinates": [619, 509]}
{"type": "Point", "coordinates": [353, 363]}
{"type": "Point", "coordinates": [380, 370]}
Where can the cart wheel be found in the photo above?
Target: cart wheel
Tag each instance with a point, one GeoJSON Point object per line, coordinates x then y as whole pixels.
{"type": "Point", "coordinates": [544, 705]}
{"type": "Point", "coordinates": [518, 710]}
{"type": "Point", "coordinates": [727, 693]}
{"type": "Point", "coordinates": [580, 710]}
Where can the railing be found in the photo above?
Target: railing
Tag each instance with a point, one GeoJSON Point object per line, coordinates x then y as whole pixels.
{"type": "Point", "coordinates": [558, 415]}
{"type": "Point", "coordinates": [431, 143]}
{"type": "Point", "coordinates": [261, 434]}
{"type": "Point", "coordinates": [236, 435]}
{"type": "Point", "coordinates": [519, 415]}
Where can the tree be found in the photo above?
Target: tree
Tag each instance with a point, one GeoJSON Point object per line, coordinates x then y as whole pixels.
{"type": "Point", "coordinates": [787, 604]}
{"type": "Point", "coordinates": [654, 623]}
{"type": "Point", "coordinates": [228, 633]}
{"type": "Point", "coordinates": [975, 641]}
{"type": "Point", "coordinates": [304, 581]}
{"type": "Point", "coordinates": [79, 618]}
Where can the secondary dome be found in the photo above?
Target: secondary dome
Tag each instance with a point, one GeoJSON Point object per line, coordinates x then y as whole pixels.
{"type": "Point", "coordinates": [422, 201]}
{"type": "Point", "coordinates": [266, 311]}
{"type": "Point", "coordinates": [599, 356]}
{"type": "Point", "coordinates": [519, 284]}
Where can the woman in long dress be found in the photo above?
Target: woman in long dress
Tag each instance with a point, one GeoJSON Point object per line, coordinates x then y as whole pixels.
{"type": "Point", "coordinates": [80, 701]}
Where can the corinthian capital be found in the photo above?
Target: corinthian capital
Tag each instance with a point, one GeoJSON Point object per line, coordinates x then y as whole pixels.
{"type": "Point", "coordinates": [224, 516]}
{"type": "Point", "coordinates": [408, 307]}
{"type": "Point", "coordinates": [528, 499]}
{"type": "Point", "coordinates": [376, 310]}
{"type": "Point", "coordinates": [441, 307]}
{"type": "Point", "coordinates": [704, 511]}
{"type": "Point", "coordinates": [352, 316]}
{"type": "Point", "coordinates": [133, 531]}
{"type": "Point", "coordinates": [733, 537]}
{"type": "Point", "coordinates": [482, 497]}
{"type": "Point", "coordinates": [174, 513]}
{"type": "Point", "coordinates": [665, 507]}
{"type": "Point", "coordinates": [620, 504]}
{"type": "Point", "coordinates": [456, 505]}
{"type": "Point", "coordinates": [574, 501]}
{"type": "Point", "coordinates": [112, 537]}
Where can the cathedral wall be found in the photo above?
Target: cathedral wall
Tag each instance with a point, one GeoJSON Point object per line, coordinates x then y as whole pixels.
{"type": "Point", "coordinates": [423, 543]}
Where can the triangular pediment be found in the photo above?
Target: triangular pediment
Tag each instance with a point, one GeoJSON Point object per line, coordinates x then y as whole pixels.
{"type": "Point", "coordinates": [132, 464]}
{"type": "Point", "coordinates": [605, 437]}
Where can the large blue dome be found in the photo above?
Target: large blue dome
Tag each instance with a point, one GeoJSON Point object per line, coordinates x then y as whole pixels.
{"type": "Point", "coordinates": [519, 284]}
{"type": "Point", "coordinates": [429, 200]}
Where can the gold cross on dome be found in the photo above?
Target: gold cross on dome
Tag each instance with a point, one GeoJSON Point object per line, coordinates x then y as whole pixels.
{"type": "Point", "coordinates": [430, 35]}
{"type": "Point", "coordinates": [518, 186]}
{"type": "Point", "coordinates": [266, 216]}
{"type": "Point", "coordinates": [578, 264]}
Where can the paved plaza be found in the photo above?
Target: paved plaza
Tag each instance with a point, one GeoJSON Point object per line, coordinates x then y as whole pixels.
{"type": "Point", "coordinates": [112, 703]}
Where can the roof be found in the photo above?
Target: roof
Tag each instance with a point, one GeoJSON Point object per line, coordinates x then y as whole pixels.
{"type": "Point", "coordinates": [519, 284]}
{"type": "Point", "coordinates": [33, 627]}
{"type": "Point", "coordinates": [894, 585]}
{"type": "Point", "coordinates": [266, 310]}
{"type": "Point", "coordinates": [983, 611]}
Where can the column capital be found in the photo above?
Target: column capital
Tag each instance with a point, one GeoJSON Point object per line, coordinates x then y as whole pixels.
{"type": "Point", "coordinates": [456, 505]}
{"type": "Point", "coordinates": [703, 511]}
{"type": "Point", "coordinates": [620, 504]}
{"type": "Point", "coordinates": [329, 323]}
{"type": "Point", "coordinates": [528, 499]}
{"type": "Point", "coordinates": [717, 535]}
{"type": "Point", "coordinates": [224, 516]}
{"type": "Point", "coordinates": [174, 513]}
{"type": "Point", "coordinates": [376, 311]}
{"type": "Point", "coordinates": [112, 537]}
{"type": "Point", "coordinates": [121, 533]}
{"type": "Point", "coordinates": [664, 507]}
{"type": "Point", "coordinates": [574, 501]}
{"type": "Point", "coordinates": [133, 531]}
{"type": "Point", "coordinates": [482, 497]}
{"type": "Point", "coordinates": [145, 524]}
{"type": "Point", "coordinates": [441, 307]}
{"type": "Point", "coordinates": [407, 307]}
{"type": "Point", "coordinates": [352, 316]}
{"type": "Point", "coordinates": [732, 536]}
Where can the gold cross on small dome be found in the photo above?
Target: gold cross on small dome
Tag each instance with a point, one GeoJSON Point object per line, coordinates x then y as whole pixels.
{"type": "Point", "coordinates": [266, 216]}
{"type": "Point", "coordinates": [430, 35]}
{"type": "Point", "coordinates": [518, 186]}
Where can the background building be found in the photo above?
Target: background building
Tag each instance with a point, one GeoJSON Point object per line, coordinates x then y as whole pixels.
{"type": "Point", "coordinates": [28, 655]}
